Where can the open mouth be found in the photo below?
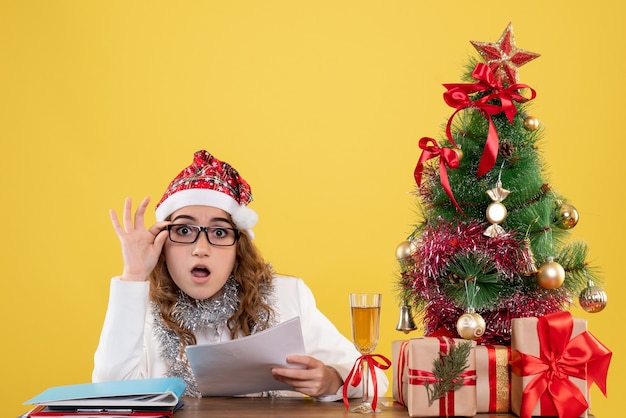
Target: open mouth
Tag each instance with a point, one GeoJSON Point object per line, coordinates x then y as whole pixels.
{"type": "Point", "coordinates": [200, 271]}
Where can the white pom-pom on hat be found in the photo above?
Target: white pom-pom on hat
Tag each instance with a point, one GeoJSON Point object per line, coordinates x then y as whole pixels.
{"type": "Point", "coordinates": [245, 218]}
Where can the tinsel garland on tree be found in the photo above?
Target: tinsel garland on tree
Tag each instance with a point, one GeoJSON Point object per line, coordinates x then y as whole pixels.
{"type": "Point", "coordinates": [490, 218]}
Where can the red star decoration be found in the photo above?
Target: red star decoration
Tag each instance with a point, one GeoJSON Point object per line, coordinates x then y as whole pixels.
{"type": "Point", "coordinates": [503, 57]}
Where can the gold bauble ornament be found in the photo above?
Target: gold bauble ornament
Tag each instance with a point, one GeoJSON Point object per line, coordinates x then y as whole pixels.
{"type": "Point", "coordinates": [592, 299]}
{"type": "Point", "coordinates": [531, 123]}
{"type": "Point", "coordinates": [404, 254]}
{"type": "Point", "coordinates": [459, 153]}
{"type": "Point", "coordinates": [550, 274]}
{"type": "Point", "coordinates": [471, 325]}
{"type": "Point", "coordinates": [403, 250]}
{"type": "Point", "coordinates": [567, 216]}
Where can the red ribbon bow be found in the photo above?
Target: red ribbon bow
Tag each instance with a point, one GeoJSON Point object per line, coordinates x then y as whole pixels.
{"type": "Point", "coordinates": [356, 374]}
{"type": "Point", "coordinates": [583, 357]}
{"type": "Point", "coordinates": [447, 157]}
{"type": "Point", "coordinates": [457, 97]}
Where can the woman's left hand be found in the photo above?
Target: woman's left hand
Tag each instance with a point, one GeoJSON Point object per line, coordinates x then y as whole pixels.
{"type": "Point", "coordinates": [315, 379]}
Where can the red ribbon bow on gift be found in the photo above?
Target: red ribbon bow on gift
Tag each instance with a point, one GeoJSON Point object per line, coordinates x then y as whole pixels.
{"type": "Point", "coordinates": [457, 97]}
{"type": "Point", "coordinates": [447, 157]}
{"type": "Point", "coordinates": [356, 374]}
{"type": "Point", "coordinates": [560, 357]}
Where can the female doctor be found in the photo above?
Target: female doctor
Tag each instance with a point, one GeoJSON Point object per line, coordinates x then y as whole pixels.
{"type": "Point", "coordinates": [195, 277]}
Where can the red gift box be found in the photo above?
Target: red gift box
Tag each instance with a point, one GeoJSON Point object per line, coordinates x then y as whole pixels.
{"type": "Point", "coordinates": [413, 363]}
{"type": "Point", "coordinates": [493, 378]}
{"type": "Point", "coordinates": [554, 360]}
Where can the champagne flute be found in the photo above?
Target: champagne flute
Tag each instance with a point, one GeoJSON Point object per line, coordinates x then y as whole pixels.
{"type": "Point", "coordinates": [365, 313]}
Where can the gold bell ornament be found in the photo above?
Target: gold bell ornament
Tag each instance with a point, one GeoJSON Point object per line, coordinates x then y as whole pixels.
{"type": "Point", "coordinates": [528, 258]}
{"type": "Point", "coordinates": [406, 323]}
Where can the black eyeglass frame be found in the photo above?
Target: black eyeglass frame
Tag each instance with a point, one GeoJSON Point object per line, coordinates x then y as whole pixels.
{"type": "Point", "coordinates": [200, 229]}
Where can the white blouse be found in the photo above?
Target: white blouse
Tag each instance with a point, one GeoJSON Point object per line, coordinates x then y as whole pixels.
{"type": "Point", "coordinates": [129, 348]}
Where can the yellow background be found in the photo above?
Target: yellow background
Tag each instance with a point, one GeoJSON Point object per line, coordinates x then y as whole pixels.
{"type": "Point", "coordinates": [319, 104]}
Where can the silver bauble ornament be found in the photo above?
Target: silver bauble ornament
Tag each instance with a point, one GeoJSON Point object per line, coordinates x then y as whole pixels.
{"type": "Point", "coordinates": [471, 325]}
{"type": "Point", "coordinates": [592, 299]}
{"type": "Point", "coordinates": [566, 217]}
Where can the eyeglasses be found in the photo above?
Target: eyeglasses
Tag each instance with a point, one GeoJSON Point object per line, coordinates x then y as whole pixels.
{"type": "Point", "coordinates": [217, 235]}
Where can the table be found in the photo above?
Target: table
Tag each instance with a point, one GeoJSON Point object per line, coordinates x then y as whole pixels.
{"type": "Point", "coordinates": [286, 407]}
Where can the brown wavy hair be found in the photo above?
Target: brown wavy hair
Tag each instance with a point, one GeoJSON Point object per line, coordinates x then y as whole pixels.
{"type": "Point", "coordinates": [251, 272]}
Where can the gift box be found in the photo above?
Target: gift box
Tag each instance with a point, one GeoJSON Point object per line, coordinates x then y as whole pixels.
{"type": "Point", "coordinates": [554, 360]}
{"type": "Point", "coordinates": [400, 372]}
{"type": "Point", "coordinates": [413, 378]}
{"type": "Point", "coordinates": [493, 378]}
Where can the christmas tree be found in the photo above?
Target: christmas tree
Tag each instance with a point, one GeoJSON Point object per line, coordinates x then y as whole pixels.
{"type": "Point", "coordinates": [493, 242]}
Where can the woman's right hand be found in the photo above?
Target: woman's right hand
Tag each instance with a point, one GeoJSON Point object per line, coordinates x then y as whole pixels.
{"type": "Point", "coordinates": [141, 247]}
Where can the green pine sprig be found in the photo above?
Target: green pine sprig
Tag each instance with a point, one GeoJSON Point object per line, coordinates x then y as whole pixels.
{"type": "Point", "coordinates": [447, 370]}
{"type": "Point", "coordinates": [467, 274]}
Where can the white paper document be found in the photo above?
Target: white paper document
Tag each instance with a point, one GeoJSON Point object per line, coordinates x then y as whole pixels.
{"type": "Point", "coordinates": [244, 365]}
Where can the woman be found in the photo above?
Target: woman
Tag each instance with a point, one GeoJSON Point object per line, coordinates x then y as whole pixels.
{"type": "Point", "coordinates": [195, 277]}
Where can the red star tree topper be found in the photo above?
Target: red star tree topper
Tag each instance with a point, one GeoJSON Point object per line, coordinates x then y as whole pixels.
{"type": "Point", "coordinates": [503, 57]}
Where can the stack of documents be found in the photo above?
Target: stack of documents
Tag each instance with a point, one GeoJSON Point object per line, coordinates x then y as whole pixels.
{"type": "Point", "coordinates": [126, 398]}
{"type": "Point", "coordinates": [239, 367]}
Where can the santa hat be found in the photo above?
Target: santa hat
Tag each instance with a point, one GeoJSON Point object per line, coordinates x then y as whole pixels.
{"type": "Point", "coordinates": [210, 182]}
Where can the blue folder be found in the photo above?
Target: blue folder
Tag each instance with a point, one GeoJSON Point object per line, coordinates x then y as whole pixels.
{"type": "Point", "coordinates": [143, 393]}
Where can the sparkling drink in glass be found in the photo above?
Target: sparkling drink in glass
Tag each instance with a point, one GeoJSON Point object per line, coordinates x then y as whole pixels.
{"type": "Point", "coordinates": [365, 313]}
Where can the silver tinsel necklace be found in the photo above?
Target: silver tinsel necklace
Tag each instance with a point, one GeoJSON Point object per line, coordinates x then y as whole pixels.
{"type": "Point", "coordinates": [197, 316]}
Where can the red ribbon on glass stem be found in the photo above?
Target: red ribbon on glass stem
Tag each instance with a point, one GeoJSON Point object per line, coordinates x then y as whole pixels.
{"type": "Point", "coordinates": [447, 157]}
{"type": "Point", "coordinates": [356, 374]}
{"type": "Point", "coordinates": [457, 97]}
{"type": "Point", "coordinates": [560, 357]}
